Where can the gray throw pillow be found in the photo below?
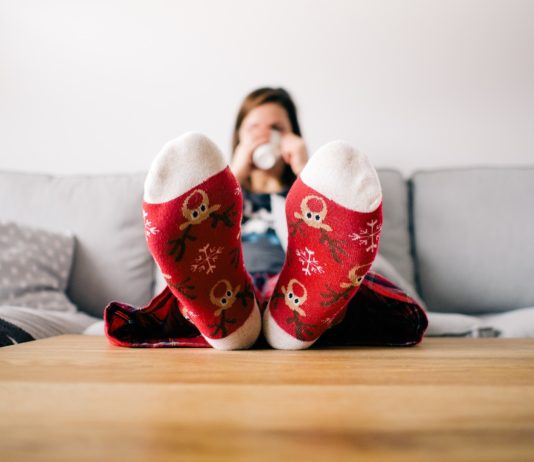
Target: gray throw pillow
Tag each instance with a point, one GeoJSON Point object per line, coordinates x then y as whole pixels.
{"type": "Point", "coordinates": [34, 267]}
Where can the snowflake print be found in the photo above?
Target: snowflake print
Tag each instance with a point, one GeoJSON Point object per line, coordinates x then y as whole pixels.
{"type": "Point", "coordinates": [206, 258]}
{"type": "Point", "coordinates": [369, 236]}
{"type": "Point", "coordinates": [309, 262]}
{"type": "Point", "coordinates": [150, 229]}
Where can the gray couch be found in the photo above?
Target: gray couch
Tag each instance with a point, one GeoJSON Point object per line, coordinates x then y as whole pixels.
{"type": "Point", "coordinates": [460, 239]}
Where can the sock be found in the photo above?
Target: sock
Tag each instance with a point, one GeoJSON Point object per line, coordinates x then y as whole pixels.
{"type": "Point", "coordinates": [334, 216]}
{"type": "Point", "coordinates": [192, 208]}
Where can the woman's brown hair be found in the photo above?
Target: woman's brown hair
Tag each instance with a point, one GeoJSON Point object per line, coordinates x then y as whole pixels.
{"type": "Point", "coordinates": [263, 96]}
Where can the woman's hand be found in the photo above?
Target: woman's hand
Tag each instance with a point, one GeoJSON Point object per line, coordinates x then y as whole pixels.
{"type": "Point", "coordinates": [294, 152]}
{"type": "Point", "coordinates": [242, 164]}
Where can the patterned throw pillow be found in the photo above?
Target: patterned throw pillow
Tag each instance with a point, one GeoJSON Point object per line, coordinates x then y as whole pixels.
{"type": "Point", "coordinates": [34, 267]}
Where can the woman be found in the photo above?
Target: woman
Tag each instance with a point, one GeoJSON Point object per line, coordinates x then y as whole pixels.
{"type": "Point", "coordinates": [324, 291]}
{"type": "Point", "coordinates": [263, 111]}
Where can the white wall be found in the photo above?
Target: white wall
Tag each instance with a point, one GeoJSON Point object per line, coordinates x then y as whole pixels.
{"type": "Point", "coordinates": [99, 86]}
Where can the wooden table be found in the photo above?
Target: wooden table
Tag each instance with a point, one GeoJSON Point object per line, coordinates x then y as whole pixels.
{"type": "Point", "coordinates": [75, 398]}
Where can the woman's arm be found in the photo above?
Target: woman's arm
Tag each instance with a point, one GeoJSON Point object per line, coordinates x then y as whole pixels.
{"type": "Point", "coordinates": [294, 152]}
{"type": "Point", "coordinates": [241, 164]}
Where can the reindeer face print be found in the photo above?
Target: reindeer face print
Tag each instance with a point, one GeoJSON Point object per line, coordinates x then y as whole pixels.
{"type": "Point", "coordinates": [295, 296]}
{"type": "Point", "coordinates": [313, 210]}
{"type": "Point", "coordinates": [223, 295]}
{"type": "Point", "coordinates": [196, 208]}
{"type": "Point", "coordinates": [355, 276]}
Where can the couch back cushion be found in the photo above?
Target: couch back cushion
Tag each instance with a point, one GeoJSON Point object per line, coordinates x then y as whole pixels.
{"type": "Point", "coordinates": [395, 243]}
{"type": "Point", "coordinates": [111, 260]}
{"type": "Point", "coordinates": [104, 213]}
{"type": "Point", "coordinates": [474, 238]}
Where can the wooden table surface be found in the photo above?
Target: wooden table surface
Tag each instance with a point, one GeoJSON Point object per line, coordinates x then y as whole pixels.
{"type": "Point", "coordinates": [75, 398]}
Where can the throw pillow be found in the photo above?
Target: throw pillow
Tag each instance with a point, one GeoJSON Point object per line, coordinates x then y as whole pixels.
{"type": "Point", "coordinates": [34, 267]}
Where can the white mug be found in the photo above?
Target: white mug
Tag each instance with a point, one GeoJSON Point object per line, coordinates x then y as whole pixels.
{"type": "Point", "coordinates": [266, 155]}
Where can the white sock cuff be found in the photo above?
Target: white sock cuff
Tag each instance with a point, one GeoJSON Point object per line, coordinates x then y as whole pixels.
{"type": "Point", "coordinates": [345, 175]}
{"type": "Point", "coordinates": [182, 164]}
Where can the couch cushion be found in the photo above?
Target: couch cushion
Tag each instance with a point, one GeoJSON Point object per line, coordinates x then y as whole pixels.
{"type": "Point", "coordinates": [111, 261]}
{"type": "Point", "coordinates": [34, 267]}
{"type": "Point", "coordinates": [395, 243]}
{"type": "Point", "coordinates": [474, 238]}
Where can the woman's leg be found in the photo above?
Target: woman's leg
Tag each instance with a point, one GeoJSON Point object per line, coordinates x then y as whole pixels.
{"type": "Point", "coordinates": [380, 314]}
{"type": "Point", "coordinates": [334, 213]}
{"type": "Point", "coordinates": [193, 207]}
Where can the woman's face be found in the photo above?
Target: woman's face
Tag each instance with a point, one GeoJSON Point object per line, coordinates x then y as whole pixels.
{"type": "Point", "coordinates": [261, 120]}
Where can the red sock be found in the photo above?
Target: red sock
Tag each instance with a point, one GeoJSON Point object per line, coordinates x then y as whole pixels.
{"type": "Point", "coordinates": [334, 217]}
{"type": "Point", "coordinates": [193, 209]}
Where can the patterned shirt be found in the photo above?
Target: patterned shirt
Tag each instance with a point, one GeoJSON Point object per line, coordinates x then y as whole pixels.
{"type": "Point", "coordinates": [262, 249]}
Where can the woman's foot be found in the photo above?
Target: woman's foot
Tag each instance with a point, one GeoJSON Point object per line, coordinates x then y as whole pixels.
{"type": "Point", "coordinates": [192, 208]}
{"type": "Point", "coordinates": [334, 216]}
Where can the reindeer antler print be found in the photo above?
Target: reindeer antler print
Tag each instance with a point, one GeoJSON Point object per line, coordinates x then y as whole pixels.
{"type": "Point", "coordinates": [295, 227]}
{"type": "Point", "coordinates": [335, 246]}
{"type": "Point", "coordinates": [355, 277]}
{"type": "Point", "coordinates": [234, 257]}
{"type": "Point", "coordinates": [275, 298]}
{"type": "Point", "coordinates": [185, 288]}
{"type": "Point", "coordinates": [246, 293]}
{"type": "Point", "coordinates": [178, 245]}
{"type": "Point", "coordinates": [221, 325]}
{"type": "Point", "coordinates": [226, 217]}
{"type": "Point", "coordinates": [303, 330]}
{"type": "Point", "coordinates": [331, 297]}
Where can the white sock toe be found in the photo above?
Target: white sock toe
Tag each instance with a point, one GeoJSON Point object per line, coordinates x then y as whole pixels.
{"type": "Point", "coordinates": [344, 175]}
{"type": "Point", "coordinates": [242, 338]}
{"type": "Point", "coordinates": [278, 338]}
{"type": "Point", "coordinates": [182, 164]}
